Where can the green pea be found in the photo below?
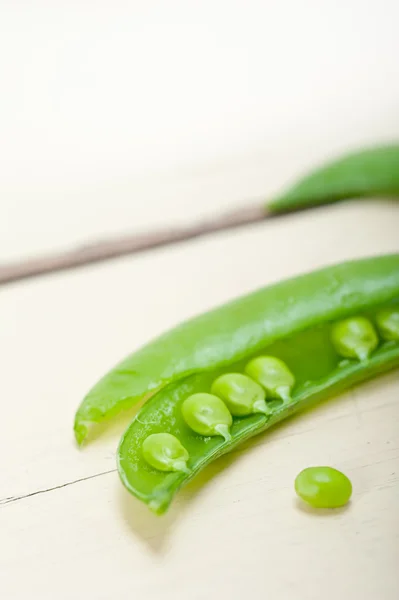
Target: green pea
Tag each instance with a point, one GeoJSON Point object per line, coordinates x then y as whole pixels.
{"type": "Point", "coordinates": [241, 394]}
{"type": "Point", "coordinates": [323, 487]}
{"type": "Point", "coordinates": [354, 338]}
{"type": "Point", "coordinates": [164, 452]}
{"type": "Point", "coordinates": [388, 323]}
{"type": "Point", "coordinates": [273, 374]}
{"type": "Point", "coordinates": [207, 414]}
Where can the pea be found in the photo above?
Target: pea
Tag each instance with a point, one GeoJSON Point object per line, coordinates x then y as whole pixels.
{"type": "Point", "coordinates": [273, 374]}
{"type": "Point", "coordinates": [354, 338]}
{"type": "Point", "coordinates": [323, 487]}
{"type": "Point", "coordinates": [388, 323]}
{"type": "Point", "coordinates": [164, 452]}
{"type": "Point", "coordinates": [207, 414]}
{"type": "Point", "coordinates": [241, 394]}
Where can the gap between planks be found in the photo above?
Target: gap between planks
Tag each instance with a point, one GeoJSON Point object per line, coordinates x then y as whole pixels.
{"type": "Point", "coordinates": [12, 499]}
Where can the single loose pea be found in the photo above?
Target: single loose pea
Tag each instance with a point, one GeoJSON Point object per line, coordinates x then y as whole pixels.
{"type": "Point", "coordinates": [388, 323]}
{"type": "Point", "coordinates": [241, 394]}
{"type": "Point", "coordinates": [273, 374]}
{"type": "Point", "coordinates": [164, 452]}
{"type": "Point", "coordinates": [354, 338]}
{"type": "Point", "coordinates": [323, 487]}
{"type": "Point", "coordinates": [207, 414]}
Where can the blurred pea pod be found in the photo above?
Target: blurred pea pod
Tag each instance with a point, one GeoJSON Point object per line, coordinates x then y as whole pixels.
{"type": "Point", "coordinates": [373, 172]}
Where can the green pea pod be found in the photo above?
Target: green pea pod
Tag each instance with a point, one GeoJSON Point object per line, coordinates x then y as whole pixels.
{"type": "Point", "coordinates": [367, 173]}
{"type": "Point", "coordinates": [246, 327]}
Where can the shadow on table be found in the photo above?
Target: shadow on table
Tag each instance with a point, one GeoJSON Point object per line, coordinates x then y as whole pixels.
{"type": "Point", "coordinates": [155, 530]}
{"type": "Point", "coordinates": [319, 512]}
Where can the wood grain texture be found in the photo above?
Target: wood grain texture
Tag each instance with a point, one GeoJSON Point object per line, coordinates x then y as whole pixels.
{"type": "Point", "coordinates": [69, 529]}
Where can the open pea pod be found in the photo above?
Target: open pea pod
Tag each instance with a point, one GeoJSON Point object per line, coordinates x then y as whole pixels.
{"type": "Point", "coordinates": [371, 172]}
{"type": "Point", "coordinates": [263, 358]}
{"type": "Point", "coordinates": [233, 372]}
{"type": "Point", "coordinates": [238, 329]}
{"type": "Point", "coordinates": [225, 334]}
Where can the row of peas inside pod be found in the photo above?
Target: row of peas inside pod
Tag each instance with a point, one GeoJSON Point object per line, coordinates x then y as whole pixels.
{"type": "Point", "coordinates": [265, 378]}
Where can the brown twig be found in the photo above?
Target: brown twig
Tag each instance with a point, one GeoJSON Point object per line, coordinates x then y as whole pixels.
{"type": "Point", "coordinates": [131, 244]}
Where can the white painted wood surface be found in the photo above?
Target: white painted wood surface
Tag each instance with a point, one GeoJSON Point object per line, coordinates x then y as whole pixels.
{"type": "Point", "coordinates": [127, 115]}
{"type": "Point", "coordinates": [69, 529]}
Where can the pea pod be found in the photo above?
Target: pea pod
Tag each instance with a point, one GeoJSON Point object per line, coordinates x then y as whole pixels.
{"type": "Point", "coordinates": [371, 172]}
{"type": "Point", "coordinates": [319, 370]}
{"type": "Point", "coordinates": [244, 327]}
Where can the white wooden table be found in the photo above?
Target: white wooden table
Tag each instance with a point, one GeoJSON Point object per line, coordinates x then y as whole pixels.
{"type": "Point", "coordinates": [84, 155]}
